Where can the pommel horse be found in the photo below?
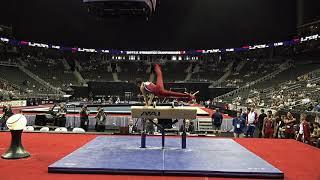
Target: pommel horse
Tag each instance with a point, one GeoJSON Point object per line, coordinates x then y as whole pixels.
{"type": "Point", "coordinates": [162, 112]}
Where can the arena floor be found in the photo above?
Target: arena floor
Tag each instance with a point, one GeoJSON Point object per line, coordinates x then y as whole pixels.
{"type": "Point", "coordinates": [296, 160]}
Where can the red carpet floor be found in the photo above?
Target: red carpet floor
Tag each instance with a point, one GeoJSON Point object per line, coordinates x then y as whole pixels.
{"type": "Point", "coordinates": [296, 160]}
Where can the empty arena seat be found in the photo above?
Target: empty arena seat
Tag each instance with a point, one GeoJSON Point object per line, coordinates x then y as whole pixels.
{"type": "Point", "coordinates": [61, 129]}
{"type": "Point", "coordinates": [44, 129]}
{"type": "Point", "coordinates": [28, 128]}
{"type": "Point", "coordinates": [78, 130]}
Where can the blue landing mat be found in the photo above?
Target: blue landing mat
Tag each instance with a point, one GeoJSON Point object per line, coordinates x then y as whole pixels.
{"type": "Point", "coordinates": [203, 157]}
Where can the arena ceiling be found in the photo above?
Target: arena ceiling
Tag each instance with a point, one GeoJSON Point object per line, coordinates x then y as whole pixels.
{"type": "Point", "coordinates": [177, 24]}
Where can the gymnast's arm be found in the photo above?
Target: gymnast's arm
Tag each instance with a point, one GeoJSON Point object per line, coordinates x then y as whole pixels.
{"type": "Point", "coordinates": [150, 99]}
{"type": "Point", "coordinates": [143, 91]}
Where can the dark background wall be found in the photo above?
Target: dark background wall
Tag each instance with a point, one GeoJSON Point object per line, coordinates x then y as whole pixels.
{"type": "Point", "coordinates": [119, 89]}
{"type": "Point", "coordinates": [178, 24]}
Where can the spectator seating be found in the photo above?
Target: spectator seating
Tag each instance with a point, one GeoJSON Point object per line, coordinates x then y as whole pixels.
{"type": "Point", "coordinates": [15, 76]}
{"type": "Point", "coordinates": [130, 71]}
{"type": "Point", "coordinates": [52, 71]}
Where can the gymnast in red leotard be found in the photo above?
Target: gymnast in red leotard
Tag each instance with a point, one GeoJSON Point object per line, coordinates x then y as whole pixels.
{"type": "Point", "coordinates": [148, 88]}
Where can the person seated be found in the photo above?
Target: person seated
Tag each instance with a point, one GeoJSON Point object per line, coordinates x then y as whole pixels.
{"type": "Point", "coordinates": [61, 116]}
{"type": "Point", "coordinates": [132, 127]}
{"type": "Point", "coordinates": [150, 128]}
{"type": "Point", "coordinates": [4, 117]}
{"type": "Point", "coordinates": [150, 90]}
{"type": "Point", "coordinates": [101, 119]}
{"type": "Point", "coordinates": [189, 127]}
{"type": "Point", "coordinates": [51, 116]}
{"type": "Point", "coordinates": [84, 117]}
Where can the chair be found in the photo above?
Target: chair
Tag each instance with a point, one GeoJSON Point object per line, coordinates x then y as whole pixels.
{"type": "Point", "coordinates": [44, 129]}
{"type": "Point", "coordinates": [61, 129]}
{"type": "Point", "coordinates": [78, 130]}
{"type": "Point", "coordinates": [28, 128]}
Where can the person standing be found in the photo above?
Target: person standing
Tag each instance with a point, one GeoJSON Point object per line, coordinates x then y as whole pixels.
{"type": "Point", "coordinates": [304, 130]}
{"type": "Point", "coordinates": [268, 128]}
{"type": "Point", "coordinates": [84, 117]}
{"type": "Point", "coordinates": [289, 121]}
{"type": "Point", "coordinates": [217, 119]}
{"type": "Point", "coordinates": [279, 125]}
{"type": "Point", "coordinates": [260, 122]}
{"type": "Point", "coordinates": [251, 122]}
{"type": "Point", "coordinates": [239, 125]}
{"type": "Point", "coordinates": [315, 136]}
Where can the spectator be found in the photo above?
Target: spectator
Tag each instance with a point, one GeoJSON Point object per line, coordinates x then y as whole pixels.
{"type": "Point", "coordinates": [279, 125]}
{"type": "Point", "coordinates": [7, 112]}
{"type": "Point", "coordinates": [132, 128]}
{"type": "Point", "coordinates": [51, 116]}
{"type": "Point", "coordinates": [3, 119]}
{"type": "Point", "coordinates": [317, 118]}
{"type": "Point", "coordinates": [244, 114]}
{"type": "Point", "coordinates": [217, 121]}
{"type": "Point", "coordinates": [269, 125]}
{"type": "Point", "coordinates": [61, 116]}
{"type": "Point", "coordinates": [239, 125]}
{"type": "Point", "coordinates": [315, 136]}
{"type": "Point", "coordinates": [84, 117]}
{"type": "Point", "coordinates": [260, 122]}
{"type": "Point", "coordinates": [289, 122]}
{"type": "Point", "coordinates": [189, 127]}
{"type": "Point", "coordinates": [208, 103]}
{"type": "Point", "coordinates": [251, 122]}
{"type": "Point", "coordinates": [150, 129]}
{"type": "Point", "coordinates": [101, 118]}
{"type": "Point", "coordinates": [304, 130]}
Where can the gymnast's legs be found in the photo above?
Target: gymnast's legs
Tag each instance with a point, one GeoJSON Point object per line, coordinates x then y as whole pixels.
{"type": "Point", "coordinates": [160, 87]}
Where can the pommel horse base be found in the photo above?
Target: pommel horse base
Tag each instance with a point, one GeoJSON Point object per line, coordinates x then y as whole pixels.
{"type": "Point", "coordinates": [163, 112]}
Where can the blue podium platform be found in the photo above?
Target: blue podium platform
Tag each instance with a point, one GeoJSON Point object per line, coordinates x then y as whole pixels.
{"type": "Point", "coordinates": [203, 157]}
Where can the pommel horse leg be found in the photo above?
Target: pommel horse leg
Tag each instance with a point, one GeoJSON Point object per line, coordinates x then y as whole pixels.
{"type": "Point", "coordinates": [184, 136]}
{"type": "Point", "coordinates": [143, 134]}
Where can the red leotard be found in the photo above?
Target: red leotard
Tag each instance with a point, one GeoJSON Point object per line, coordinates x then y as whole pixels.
{"type": "Point", "coordinates": [268, 128]}
{"type": "Point", "coordinates": [158, 88]}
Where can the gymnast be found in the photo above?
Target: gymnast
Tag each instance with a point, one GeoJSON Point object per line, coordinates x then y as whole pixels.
{"type": "Point", "coordinates": [152, 90]}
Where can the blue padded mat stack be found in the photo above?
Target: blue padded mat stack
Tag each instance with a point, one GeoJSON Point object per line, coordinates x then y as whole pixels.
{"type": "Point", "coordinates": [203, 157]}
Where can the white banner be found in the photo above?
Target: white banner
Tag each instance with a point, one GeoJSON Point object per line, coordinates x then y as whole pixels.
{"type": "Point", "coordinates": [17, 103]}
